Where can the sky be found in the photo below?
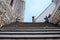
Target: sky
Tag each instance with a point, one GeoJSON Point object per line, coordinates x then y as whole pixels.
{"type": "Point", "coordinates": [34, 8]}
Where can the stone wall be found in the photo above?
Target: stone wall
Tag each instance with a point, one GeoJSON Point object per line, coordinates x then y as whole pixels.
{"type": "Point", "coordinates": [19, 7]}
{"type": "Point", "coordinates": [6, 16]}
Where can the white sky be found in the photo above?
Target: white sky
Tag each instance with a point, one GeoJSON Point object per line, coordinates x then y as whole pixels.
{"type": "Point", "coordinates": [34, 8]}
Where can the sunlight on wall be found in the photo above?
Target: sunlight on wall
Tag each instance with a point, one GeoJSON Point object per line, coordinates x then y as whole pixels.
{"type": "Point", "coordinates": [34, 8]}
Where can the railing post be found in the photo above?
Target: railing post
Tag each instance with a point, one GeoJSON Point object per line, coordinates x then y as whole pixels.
{"type": "Point", "coordinates": [33, 19]}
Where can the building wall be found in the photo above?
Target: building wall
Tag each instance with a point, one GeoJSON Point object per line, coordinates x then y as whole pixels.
{"type": "Point", "coordinates": [53, 10]}
{"type": "Point", "coordinates": [6, 15]}
{"type": "Point", "coordinates": [19, 7]}
{"type": "Point", "coordinates": [55, 1]}
{"type": "Point", "coordinates": [7, 1]}
{"type": "Point", "coordinates": [46, 12]}
{"type": "Point", "coordinates": [55, 15]}
{"type": "Point", "coordinates": [11, 13]}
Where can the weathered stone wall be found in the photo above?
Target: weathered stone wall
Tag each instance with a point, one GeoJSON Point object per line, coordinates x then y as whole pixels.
{"type": "Point", "coordinates": [6, 16]}
{"type": "Point", "coordinates": [55, 1]}
{"type": "Point", "coordinates": [19, 6]}
{"type": "Point", "coordinates": [55, 17]}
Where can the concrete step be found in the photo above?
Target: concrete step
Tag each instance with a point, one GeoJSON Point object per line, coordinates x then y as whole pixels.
{"type": "Point", "coordinates": [29, 24]}
{"type": "Point", "coordinates": [30, 29]}
{"type": "Point", "coordinates": [19, 35]}
{"type": "Point", "coordinates": [28, 33]}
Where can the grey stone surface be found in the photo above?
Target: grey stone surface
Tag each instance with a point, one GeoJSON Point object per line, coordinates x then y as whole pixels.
{"type": "Point", "coordinates": [29, 39]}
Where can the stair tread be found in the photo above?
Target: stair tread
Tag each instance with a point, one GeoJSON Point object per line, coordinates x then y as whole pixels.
{"type": "Point", "coordinates": [29, 27]}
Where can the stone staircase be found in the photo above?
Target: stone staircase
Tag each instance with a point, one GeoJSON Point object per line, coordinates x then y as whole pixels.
{"type": "Point", "coordinates": [19, 27]}
{"type": "Point", "coordinates": [30, 30]}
